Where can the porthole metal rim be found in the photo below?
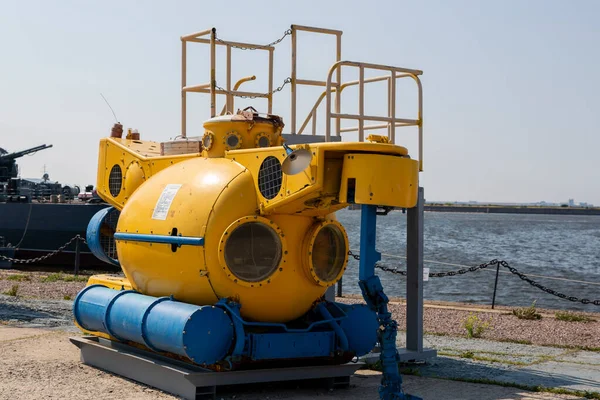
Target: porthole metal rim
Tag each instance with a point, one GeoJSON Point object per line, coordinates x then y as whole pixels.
{"type": "Point", "coordinates": [223, 242]}
{"type": "Point", "coordinates": [308, 263]}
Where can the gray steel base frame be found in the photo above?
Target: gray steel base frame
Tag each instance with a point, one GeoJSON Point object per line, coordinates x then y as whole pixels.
{"type": "Point", "coordinates": [189, 381]}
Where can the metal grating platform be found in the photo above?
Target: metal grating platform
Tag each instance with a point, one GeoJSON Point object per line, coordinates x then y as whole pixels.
{"type": "Point", "coordinates": [191, 382]}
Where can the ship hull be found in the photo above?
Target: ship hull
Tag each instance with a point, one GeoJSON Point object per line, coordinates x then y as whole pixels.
{"type": "Point", "coordinates": [40, 228]}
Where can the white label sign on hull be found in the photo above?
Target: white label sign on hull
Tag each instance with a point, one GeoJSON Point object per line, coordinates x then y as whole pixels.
{"type": "Point", "coordinates": [164, 201]}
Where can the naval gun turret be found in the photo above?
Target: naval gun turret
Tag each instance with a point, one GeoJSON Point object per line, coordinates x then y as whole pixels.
{"type": "Point", "coordinates": [9, 170]}
{"type": "Point", "coordinates": [8, 164]}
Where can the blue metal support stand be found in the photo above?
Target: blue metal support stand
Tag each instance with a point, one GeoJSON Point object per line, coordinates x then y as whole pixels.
{"type": "Point", "coordinates": [372, 291]}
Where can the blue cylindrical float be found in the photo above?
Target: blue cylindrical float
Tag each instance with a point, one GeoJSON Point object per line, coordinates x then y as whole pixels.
{"type": "Point", "coordinates": [204, 334]}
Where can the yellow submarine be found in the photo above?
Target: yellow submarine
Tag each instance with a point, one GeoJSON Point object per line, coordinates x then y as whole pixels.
{"type": "Point", "coordinates": [235, 230]}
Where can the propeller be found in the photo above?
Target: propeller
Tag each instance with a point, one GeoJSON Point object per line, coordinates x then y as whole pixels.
{"type": "Point", "coordinates": [296, 161]}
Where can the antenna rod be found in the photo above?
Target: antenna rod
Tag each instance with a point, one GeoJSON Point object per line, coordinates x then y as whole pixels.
{"type": "Point", "coordinates": [111, 109]}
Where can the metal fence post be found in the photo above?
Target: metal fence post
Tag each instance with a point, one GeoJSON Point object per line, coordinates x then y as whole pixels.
{"type": "Point", "coordinates": [339, 288]}
{"type": "Point", "coordinates": [495, 285]}
{"type": "Point", "coordinates": [77, 254]}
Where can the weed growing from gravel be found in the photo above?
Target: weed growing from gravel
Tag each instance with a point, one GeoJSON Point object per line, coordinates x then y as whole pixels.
{"type": "Point", "coordinates": [12, 291]}
{"type": "Point", "coordinates": [527, 312]}
{"type": "Point", "coordinates": [475, 326]}
{"type": "Point", "coordinates": [572, 317]}
{"type": "Point", "coordinates": [67, 297]}
{"type": "Point", "coordinates": [59, 276]}
{"type": "Point", "coordinates": [18, 278]}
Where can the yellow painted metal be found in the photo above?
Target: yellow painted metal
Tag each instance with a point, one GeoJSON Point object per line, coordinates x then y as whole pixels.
{"type": "Point", "coordinates": [218, 189]}
{"type": "Point", "coordinates": [243, 126]}
{"type": "Point", "coordinates": [115, 282]}
{"type": "Point", "coordinates": [380, 180]}
{"type": "Point", "coordinates": [378, 139]}
{"type": "Point", "coordinates": [314, 192]}
{"type": "Point", "coordinates": [141, 156]}
{"type": "Point", "coordinates": [134, 177]}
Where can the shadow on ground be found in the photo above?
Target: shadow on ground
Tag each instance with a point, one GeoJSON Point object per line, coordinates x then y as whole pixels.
{"type": "Point", "coordinates": [35, 313]}
{"type": "Point", "coordinates": [547, 374]}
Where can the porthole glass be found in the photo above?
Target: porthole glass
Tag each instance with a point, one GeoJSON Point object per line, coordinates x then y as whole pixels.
{"type": "Point", "coordinates": [264, 141]}
{"type": "Point", "coordinates": [207, 140]}
{"type": "Point", "coordinates": [233, 141]}
{"type": "Point", "coordinates": [329, 252]}
{"type": "Point", "coordinates": [253, 251]}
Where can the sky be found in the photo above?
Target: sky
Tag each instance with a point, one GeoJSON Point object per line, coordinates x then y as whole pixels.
{"type": "Point", "coordinates": [511, 88]}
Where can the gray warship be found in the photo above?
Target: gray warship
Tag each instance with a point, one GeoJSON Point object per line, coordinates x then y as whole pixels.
{"type": "Point", "coordinates": [38, 216]}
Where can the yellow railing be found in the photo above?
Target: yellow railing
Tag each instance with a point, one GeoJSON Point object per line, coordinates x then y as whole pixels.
{"type": "Point", "coordinates": [333, 107]}
{"type": "Point", "coordinates": [211, 87]}
{"type": "Point", "coordinates": [391, 121]}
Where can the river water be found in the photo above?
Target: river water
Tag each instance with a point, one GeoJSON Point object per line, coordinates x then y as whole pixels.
{"type": "Point", "coordinates": [552, 245]}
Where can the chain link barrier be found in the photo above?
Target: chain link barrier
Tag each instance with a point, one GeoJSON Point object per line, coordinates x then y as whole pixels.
{"type": "Point", "coordinates": [233, 93]}
{"type": "Point", "coordinates": [494, 263]}
{"type": "Point", "coordinates": [264, 46]}
{"type": "Point", "coordinates": [44, 257]}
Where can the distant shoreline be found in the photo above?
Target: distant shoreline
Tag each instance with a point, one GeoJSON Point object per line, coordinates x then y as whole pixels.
{"type": "Point", "coordinates": [512, 209]}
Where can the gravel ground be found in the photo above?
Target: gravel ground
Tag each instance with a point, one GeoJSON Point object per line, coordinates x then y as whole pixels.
{"type": "Point", "coordinates": [44, 285]}
{"type": "Point", "coordinates": [37, 363]}
{"type": "Point", "coordinates": [438, 320]}
{"type": "Point", "coordinates": [503, 326]}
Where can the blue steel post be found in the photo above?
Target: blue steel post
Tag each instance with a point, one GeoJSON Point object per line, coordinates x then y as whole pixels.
{"type": "Point", "coordinates": [372, 291]}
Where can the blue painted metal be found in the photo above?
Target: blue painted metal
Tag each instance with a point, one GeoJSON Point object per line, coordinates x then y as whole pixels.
{"type": "Point", "coordinates": [204, 334]}
{"type": "Point", "coordinates": [360, 328]}
{"type": "Point", "coordinates": [92, 235]}
{"type": "Point", "coordinates": [341, 335]}
{"type": "Point", "coordinates": [178, 240]}
{"type": "Point", "coordinates": [288, 149]}
{"type": "Point", "coordinates": [231, 307]}
{"type": "Point", "coordinates": [270, 346]}
{"type": "Point", "coordinates": [211, 334]}
{"type": "Point", "coordinates": [355, 330]}
{"type": "Point", "coordinates": [238, 326]}
{"type": "Point", "coordinates": [368, 236]}
{"type": "Point", "coordinates": [372, 291]}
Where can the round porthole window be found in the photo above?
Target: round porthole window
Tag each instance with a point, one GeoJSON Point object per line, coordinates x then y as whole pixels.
{"type": "Point", "coordinates": [207, 140]}
{"type": "Point", "coordinates": [233, 140]}
{"type": "Point", "coordinates": [252, 251]}
{"type": "Point", "coordinates": [263, 140]}
{"type": "Point", "coordinates": [115, 180]}
{"type": "Point", "coordinates": [328, 251]}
